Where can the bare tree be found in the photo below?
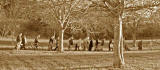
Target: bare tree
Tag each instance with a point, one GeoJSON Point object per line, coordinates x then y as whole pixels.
{"type": "Point", "coordinates": [62, 11]}
{"type": "Point", "coordinates": [117, 8]}
{"type": "Point", "coordinates": [13, 11]}
{"type": "Point", "coordinates": [133, 20]}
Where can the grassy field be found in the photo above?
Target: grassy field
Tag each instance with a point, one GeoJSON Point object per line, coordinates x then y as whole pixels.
{"type": "Point", "coordinates": [49, 60]}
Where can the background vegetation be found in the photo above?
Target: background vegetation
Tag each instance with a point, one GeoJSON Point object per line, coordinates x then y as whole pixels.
{"type": "Point", "coordinates": [34, 17]}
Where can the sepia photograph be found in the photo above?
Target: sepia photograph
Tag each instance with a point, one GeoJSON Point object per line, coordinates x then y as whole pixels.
{"type": "Point", "coordinates": [79, 34]}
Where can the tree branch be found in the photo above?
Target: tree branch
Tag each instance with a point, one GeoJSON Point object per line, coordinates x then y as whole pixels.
{"type": "Point", "coordinates": [108, 7]}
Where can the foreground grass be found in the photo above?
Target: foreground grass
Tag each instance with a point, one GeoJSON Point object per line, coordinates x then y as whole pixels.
{"type": "Point", "coordinates": [72, 60]}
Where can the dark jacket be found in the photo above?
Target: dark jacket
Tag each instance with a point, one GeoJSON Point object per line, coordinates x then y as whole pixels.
{"type": "Point", "coordinates": [90, 45]}
{"type": "Point", "coordinates": [23, 39]}
{"type": "Point", "coordinates": [71, 41]}
{"type": "Point", "coordinates": [19, 38]}
{"type": "Point", "coordinates": [36, 40]}
{"type": "Point", "coordinates": [51, 41]}
{"type": "Point", "coordinates": [97, 42]}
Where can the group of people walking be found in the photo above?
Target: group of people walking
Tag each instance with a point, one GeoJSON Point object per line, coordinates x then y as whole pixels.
{"type": "Point", "coordinates": [21, 42]}
{"type": "Point", "coordinates": [53, 42]}
{"type": "Point", "coordinates": [86, 44]}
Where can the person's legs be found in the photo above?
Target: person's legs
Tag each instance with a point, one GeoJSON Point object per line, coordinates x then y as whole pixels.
{"type": "Point", "coordinates": [36, 45]}
{"type": "Point", "coordinates": [78, 47]}
{"type": "Point", "coordinates": [89, 49]}
{"type": "Point", "coordinates": [69, 47]}
{"type": "Point", "coordinates": [23, 46]}
{"type": "Point", "coordinates": [96, 47]}
{"type": "Point", "coordinates": [56, 48]}
{"type": "Point", "coordinates": [84, 47]}
{"type": "Point", "coordinates": [140, 47]}
{"type": "Point", "coordinates": [49, 47]}
{"type": "Point", "coordinates": [18, 46]}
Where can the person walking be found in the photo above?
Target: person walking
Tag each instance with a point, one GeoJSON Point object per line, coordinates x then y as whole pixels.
{"type": "Point", "coordinates": [96, 44]}
{"type": "Point", "coordinates": [110, 45]}
{"type": "Point", "coordinates": [19, 42]}
{"type": "Point", "coordinates": [36, 42]}
{"type": "Point", "coordinates": [70, 43]}
{"type": "Point", "coordinates": [24, 41]}
{"type": "Point", "coordinates": [90, 45]}
{"type": "Point", "coordinates": [57, 44]}
{"type": "Point", "coordinates": [76, 47]}
{"type": "Point", "coordinates": [140, 45]}
{"type": "Point", "coordinates": [51, 42]}
{"type": "Point", "coordinates": [102, 44]}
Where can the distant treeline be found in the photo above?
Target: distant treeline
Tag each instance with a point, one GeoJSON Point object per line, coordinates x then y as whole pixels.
{"type": "Point", "coordinates": [11, 28]}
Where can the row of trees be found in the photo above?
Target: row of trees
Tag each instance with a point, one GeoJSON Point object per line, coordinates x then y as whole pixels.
{"type": "Point", "coordinates": [89, 17]}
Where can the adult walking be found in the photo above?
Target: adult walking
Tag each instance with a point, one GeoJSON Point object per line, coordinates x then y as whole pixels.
{"type": "Point", "coordinates": [140, 45]}
{"type": "Point", "coordinates": [102, 44]}
{"type": "Point", "coordinates": [110, 45]}
{"type": "Point", "coordinates": [19, 42]}
{"type": "Point", "coordinates": [78, 45]}
{"type": "Point", "coordinates": [36, 42]}
{"type": "Point", "coordinates": [57, 44]}
{"type": "Point", "coordinates": [70, 43]}
{"type": "Point", "coordinates": [96, 44]}
{"type": "Point", "coordinates": [51, 42]}
{"type": "Point", "coordinates": [90, 45]}
{"type": "Point", "coordinates": [24, 41]}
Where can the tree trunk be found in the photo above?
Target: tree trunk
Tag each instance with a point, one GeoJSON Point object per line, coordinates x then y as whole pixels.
{"type": "Point", "coordinates": [61, 49]}
{"type": "Point", "coordinates": [118, 43]}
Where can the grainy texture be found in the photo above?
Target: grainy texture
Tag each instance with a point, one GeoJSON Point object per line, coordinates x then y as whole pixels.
{"type": "Point", "coordinates": [26, 26]}
{"type": "Point", "coordinates": [44, 60]}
